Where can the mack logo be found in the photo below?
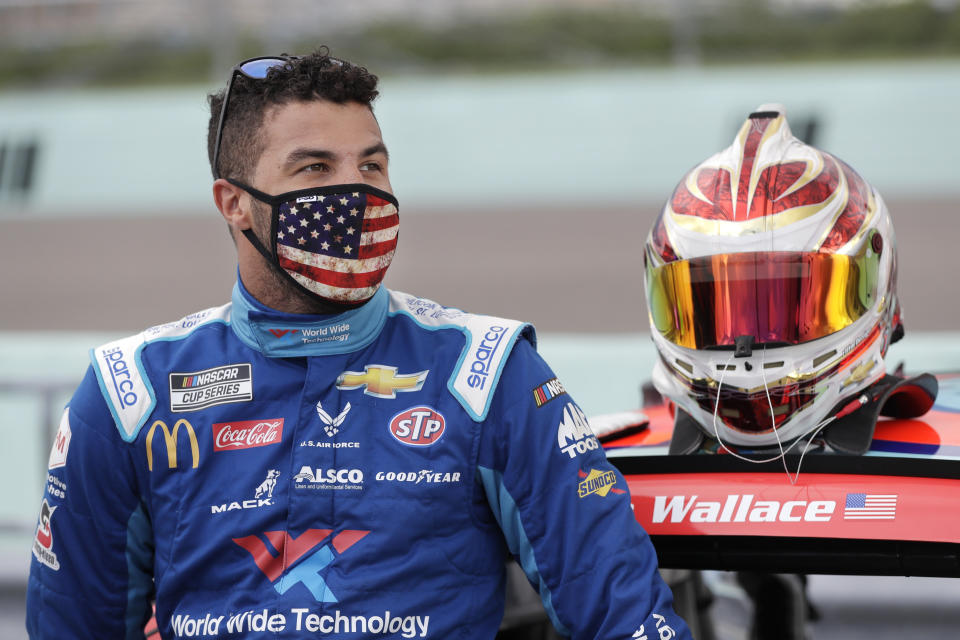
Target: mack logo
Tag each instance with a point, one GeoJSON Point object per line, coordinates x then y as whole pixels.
{"type": "Point", "coordinates": [480, 366]}
{"type": "Point", "coordinates": [381, 381]}
{"type": "Point", "coordinates": [262, 496]}
{"type": "Point", "coordinates": [284, 552]}
{"type": "Point", "coordinates": [210, 387]}
{"type": "Point", "coordinates": [574, 435]}
{"type": "Point", "coordinates": [740, 508]}
{"type": "Point", "coordinates": [420, 426]}
{"type": "Point", "coordinates": [598, 482]}
{"type": "Point", "coordinates": [246, 434]}
{"type": "Point", "coordinates": [170, 439]}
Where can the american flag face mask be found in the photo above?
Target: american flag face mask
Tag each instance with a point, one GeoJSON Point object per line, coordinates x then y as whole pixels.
{"type": "Point", "coordinates": [335, 243]}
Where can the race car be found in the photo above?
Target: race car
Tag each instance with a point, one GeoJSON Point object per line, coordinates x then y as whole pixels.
{"type": "Point", "coordinates": [890, 511]}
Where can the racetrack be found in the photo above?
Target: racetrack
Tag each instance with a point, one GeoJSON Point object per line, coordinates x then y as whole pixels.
{"type": "Point", "coordinates": [564, 269]}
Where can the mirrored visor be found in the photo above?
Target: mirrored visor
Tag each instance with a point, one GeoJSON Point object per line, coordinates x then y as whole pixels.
{"type": "Point", "coordinates": [776, 297]}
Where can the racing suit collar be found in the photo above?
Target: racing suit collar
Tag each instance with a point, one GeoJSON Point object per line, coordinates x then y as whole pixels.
{"type": "Point", "coordinates": [287, 335]}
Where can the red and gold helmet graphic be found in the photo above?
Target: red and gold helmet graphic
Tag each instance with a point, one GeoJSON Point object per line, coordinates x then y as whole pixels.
{"type": "Point", "coordinates": [767, 183]}
{"type": "Point", "coordinates": [770, 274]}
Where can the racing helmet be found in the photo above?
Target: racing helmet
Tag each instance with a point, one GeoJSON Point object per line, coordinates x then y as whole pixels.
{"type": "Point", "coordinates": [770, 285]}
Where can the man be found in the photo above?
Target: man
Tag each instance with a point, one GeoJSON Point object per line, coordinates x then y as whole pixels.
{"type": "Point", "coordinates": [323, 455]}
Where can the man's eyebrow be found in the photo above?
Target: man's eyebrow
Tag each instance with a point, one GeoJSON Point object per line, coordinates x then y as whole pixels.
{"type": "Point", "coordinates": [298, 155]}
{"type": "Point", "coordinates": [377, 148]}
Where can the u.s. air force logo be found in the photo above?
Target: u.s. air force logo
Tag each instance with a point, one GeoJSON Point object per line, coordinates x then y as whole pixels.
{"type": "Point", "coordinates": [210, 387]}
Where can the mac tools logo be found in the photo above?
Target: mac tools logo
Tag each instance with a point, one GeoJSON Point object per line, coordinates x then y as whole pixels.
{"type": "Point", "coordinates": [574, 435]}
{"type": "Point", "coordinates": [273, 551]}
{"type": "Point", "coordinates": [246, 434]}
{"type": "Point", "coordinates": [262, 496]}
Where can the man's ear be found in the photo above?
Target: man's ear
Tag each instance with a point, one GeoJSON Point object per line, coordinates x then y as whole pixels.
{"type": "Point", "coordinates": [230, 200]}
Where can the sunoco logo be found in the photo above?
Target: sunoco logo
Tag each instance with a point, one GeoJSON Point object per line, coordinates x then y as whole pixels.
{"type": "Point", "coordinates": [740, 508]}
{"type": "Point", "coordinates": [597, 482]}
{"type": "Point", "coordinates": [574, 435]}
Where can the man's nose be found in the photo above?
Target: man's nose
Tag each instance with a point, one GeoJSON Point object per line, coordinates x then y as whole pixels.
{"type": "Point", "coordinates": [349, 173]}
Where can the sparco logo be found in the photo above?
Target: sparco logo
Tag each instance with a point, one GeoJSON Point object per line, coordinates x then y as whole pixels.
{"type": "Point", "coordinates": [120, 375]}
{"type": "Point", "coordinates": [420, 426]}
{"type": "Point", "coordinates": [740, 508]}
{"type": "Point", "coordinates": [574, 435]}
{"type": "Point", "coordinates": [246, 434]}
{"type": "Point", "coordinates": [480, 367]}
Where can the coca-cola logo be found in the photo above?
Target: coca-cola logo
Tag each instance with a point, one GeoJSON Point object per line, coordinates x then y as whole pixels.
{"type": "Point", "coordinates": [229, 436]}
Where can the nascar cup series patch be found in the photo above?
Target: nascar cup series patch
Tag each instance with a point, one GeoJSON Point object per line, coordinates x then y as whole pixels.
{"type": "Point", "coordinates": [210, 387]}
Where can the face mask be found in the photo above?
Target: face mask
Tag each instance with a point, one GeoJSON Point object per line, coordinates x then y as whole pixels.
{"type": "Point", "coordinates": [334, 243]}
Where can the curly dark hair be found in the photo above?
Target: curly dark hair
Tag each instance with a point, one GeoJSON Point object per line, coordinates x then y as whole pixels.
{"type": "Point", "coordinates": [317, 76]}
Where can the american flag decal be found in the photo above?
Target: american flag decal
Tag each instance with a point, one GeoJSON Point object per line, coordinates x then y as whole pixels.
{"type": "Point", "coordinates": [870, 506]}
{"type": "Point", "coordinates": [338, 246]}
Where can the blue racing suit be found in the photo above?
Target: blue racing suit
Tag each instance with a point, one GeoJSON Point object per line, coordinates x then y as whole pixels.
{"type": "Point", "coordinates": [260, 474]}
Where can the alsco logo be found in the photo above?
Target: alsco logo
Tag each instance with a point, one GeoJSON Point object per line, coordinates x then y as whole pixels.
{"type": "Point", "coordinates": [381, 381]}
{"type": "Point", "coordinates": [170, 439]}
{"type": "Point", "coordinates": [420, 426]}
{"type": "Point", "coordinates": [284, 551]}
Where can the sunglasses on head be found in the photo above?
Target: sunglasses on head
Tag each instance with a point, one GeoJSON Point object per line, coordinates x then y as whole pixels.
{"type": "Point", "coordinates": [254, 69]}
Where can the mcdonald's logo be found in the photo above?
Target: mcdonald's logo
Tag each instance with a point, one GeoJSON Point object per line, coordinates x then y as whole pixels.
{"type": "Point", "coordinates": [170, 439]}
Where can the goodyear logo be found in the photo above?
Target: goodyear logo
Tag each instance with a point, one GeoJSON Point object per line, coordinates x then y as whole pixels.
{"type": "Point", "coordinates": [381, 381]}
{"type": "Point", "coordinates": [170, 440]}
{"type": "Point", "coordinates": [598, 482]}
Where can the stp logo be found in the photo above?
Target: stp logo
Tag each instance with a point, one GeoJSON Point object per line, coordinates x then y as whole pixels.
{"type": "Point", "coordinates": [420, 426]}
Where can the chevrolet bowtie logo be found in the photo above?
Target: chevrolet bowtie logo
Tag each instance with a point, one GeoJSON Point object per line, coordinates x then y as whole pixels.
{"type": "Point", "coordinates": [381, 381]}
